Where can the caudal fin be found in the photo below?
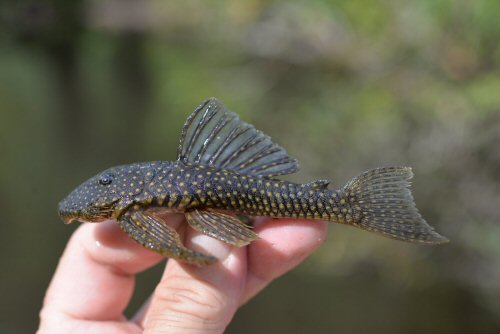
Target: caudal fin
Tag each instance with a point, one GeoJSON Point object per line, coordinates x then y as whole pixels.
{"type": "Point", "coordinates": [384, 204]}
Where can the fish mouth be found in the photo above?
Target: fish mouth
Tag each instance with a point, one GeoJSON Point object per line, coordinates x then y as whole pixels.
{"type": "Point", "coordinates": [67, 216]}
{"type": "Point", "coordinates": [69, 220]}
{"type": "Point", "coordinates": [89, 214]}
{"type": "Point", "coordinates": [82, 219]}
{"type": "Point", "coordinates": [86, 217]}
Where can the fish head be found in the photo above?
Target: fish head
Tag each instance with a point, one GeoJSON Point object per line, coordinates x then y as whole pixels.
{"type": "Point", "coordinates": [105, 195]}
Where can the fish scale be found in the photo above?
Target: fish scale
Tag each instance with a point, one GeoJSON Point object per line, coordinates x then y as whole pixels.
{"type": "Point", "coordinates": [226, 169]}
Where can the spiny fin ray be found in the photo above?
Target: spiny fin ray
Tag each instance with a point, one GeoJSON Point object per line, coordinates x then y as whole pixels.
{"type": "Point", "coordinates": [215, 136]}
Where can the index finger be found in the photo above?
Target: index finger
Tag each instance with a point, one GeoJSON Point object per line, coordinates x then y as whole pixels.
{"type": "Point", "coordinates": [95, 276]}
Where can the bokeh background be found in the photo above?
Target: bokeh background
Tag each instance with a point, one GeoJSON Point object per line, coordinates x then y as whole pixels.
{"type": "Point", "coordinates": [343, 85]}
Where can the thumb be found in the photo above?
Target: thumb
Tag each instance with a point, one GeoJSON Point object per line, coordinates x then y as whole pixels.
{"type": "Point", "coordinates": [192, 299]}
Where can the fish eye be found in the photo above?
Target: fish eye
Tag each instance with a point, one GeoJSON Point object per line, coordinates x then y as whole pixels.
{"type": "Point", "coordinates": [106, 179]}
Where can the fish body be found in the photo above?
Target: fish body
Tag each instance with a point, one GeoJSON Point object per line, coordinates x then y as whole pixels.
{"type": "Point", "coordinates": [227, 169]}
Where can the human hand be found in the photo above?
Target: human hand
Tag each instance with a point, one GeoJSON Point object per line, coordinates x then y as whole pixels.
{"type": "Point", "coordinates": [95, 279]}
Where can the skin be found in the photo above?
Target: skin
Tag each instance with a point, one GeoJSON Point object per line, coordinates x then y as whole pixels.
{"type": "Point", "coordinates": [95, 278]}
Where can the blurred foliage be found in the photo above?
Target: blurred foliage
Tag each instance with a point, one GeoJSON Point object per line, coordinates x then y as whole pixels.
{"type": "Point", "coordinates": [343, 85]}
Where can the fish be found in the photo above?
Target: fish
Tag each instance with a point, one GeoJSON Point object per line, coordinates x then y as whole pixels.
{"type": "Point", "coordinates": [228, 171]}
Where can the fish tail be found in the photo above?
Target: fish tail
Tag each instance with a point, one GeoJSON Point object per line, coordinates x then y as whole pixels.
{"type": "Point", "coordinates": [380, 201]}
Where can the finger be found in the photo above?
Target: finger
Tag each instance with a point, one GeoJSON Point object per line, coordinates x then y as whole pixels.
{"type": "Point", "coordinates": [283, 244]}
{"type": "Point", "coordinates": [95, 276]}
{"type": "Point", "coordinates": [193, 299]}
{"type": "Point", "coordinates": [63, 325]}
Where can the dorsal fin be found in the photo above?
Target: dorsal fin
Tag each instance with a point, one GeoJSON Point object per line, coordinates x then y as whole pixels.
{"type": "Point", "coordinates": [215, 136]}
{"type": "Point", "coordinates": [318, 184]}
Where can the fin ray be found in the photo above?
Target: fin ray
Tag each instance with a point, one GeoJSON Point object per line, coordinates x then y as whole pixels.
{"type": "Point", "coordinates": [385, 204]}
{"type": "Point", "coordinates": [222, 226]}
{"type": "Point", "coordinates": [215, 136]}
{"type": "Point", "coordinates": [153, 233]}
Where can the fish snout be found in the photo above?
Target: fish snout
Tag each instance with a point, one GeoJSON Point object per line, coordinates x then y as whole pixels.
{"type": "Point", "coordinates": [66, 212]}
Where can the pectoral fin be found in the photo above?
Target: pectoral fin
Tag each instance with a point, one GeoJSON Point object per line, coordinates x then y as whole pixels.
{"type": "Point", "coordinates": [155, 234]}
{"type": "Point", "coordinates": [221, 226]}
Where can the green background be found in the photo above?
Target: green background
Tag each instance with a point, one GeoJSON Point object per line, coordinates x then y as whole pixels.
{"type": "Point", "coordinates": [344, 86]}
